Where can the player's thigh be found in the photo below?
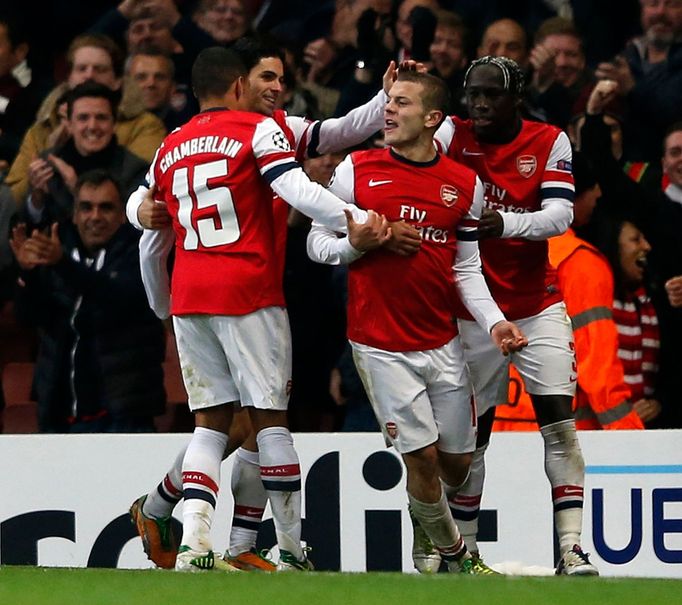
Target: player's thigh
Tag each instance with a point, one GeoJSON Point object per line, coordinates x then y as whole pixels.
{"type": "Point", "coordinates": [205, 369]}
{"type": "Point", "coordinates": [488, 368]}
{"type": "Point", "coordinates": [397, 392]}
{"type": "Point", "coordinates": [449, 391]}
{"type": "Point", "coordinates": [547, 364]}
{"type": "Point", "coordinates": [258, 351]}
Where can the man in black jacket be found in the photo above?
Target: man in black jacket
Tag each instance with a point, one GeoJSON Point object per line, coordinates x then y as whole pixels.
{"type": "Point", "coordinates": [101, 349]}
{"type": "Point", "coordinates": [90, 115]}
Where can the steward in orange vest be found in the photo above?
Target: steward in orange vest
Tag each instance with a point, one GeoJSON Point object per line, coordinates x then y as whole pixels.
{"type": "Point", "coordinates": [602, 399]}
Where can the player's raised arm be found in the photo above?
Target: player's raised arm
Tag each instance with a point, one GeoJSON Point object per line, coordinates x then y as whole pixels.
{"type": "Point", "coordinates": [336, 134]}
{"type": "Point", "coordinates": [285, 176]}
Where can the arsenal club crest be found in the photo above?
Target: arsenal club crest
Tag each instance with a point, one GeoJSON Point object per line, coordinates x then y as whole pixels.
{"type": "Point", "coordinates": [449, 195]}
{"type": "Point", "coordinates": [392, 429]}
{"type": "Point", "coordinates": [526, 165]}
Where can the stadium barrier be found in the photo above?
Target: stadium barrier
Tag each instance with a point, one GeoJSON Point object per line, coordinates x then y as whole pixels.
{"type": "Point", "coordinates": [64, 501]}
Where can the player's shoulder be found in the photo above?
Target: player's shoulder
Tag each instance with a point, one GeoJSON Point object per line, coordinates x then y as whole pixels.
{"type": "Point", "coordinates": [534, 131]}
{"type": "Point", "coordinates": [454, 167]}
{"type": "Point", "coordinates": [368, 155]}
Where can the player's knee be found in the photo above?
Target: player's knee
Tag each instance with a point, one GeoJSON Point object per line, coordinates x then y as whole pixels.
{"type": "Point", "coordinates": [454, 467]}
{"type": "Point", "coordinates": [239, 430]}
{"type": "Point", "coordinates": [423, 462]}
{"type": "Point", "coordinates": [263, 419]}
{"type": "Point", "coordinates": [550, 409]}
{"type": "Point", "coordinates": [216, 418]}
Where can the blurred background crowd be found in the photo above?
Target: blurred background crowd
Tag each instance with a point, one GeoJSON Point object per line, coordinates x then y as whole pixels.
{"type": "Point", "coordinates": [89, 89]}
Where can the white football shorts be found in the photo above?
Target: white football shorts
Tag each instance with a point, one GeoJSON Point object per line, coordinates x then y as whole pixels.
{"type": "Point", "coordinates": [420, 397]}
{"type": "Point", "coordinates": [547, 364]}
{"type": "Point", "coordinates": [227, 358]}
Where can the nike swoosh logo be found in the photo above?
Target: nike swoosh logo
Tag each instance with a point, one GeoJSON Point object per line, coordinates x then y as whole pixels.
{"type": "Point", "coordinates": [572, 492]}
{"type": "Point", "coordinates": [373, 183]}
{"type": "Point", "coordinates": [465, 151]}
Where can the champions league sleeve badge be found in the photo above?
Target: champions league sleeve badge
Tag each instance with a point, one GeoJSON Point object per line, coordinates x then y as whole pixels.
{"type": "Point", "coordinates": [280, 141]}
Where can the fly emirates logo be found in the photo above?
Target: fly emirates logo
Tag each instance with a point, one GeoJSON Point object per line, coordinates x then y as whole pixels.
{"type": "Point", "coordinates": [494, 199]}
{"type": "Point", "coordinates": [428, 233]}
{"type": "Point", "coordinates": [208, 144]}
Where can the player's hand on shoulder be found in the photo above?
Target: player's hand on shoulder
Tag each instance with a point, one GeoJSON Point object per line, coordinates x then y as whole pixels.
{"type": "Point", "coordinates": [153, 214]}
{"type": "Point", "coordinates": [507, 337]}
{"type": "Point", "coordinates": [490, 224]}
{"type": "Point", "coordinates": [405, 239]}
{"type": "Point", "coordinates": [373, 233]}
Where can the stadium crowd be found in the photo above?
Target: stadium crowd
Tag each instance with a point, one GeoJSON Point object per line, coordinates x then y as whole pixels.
{"type": "Point", "coordinates": [89, 90]}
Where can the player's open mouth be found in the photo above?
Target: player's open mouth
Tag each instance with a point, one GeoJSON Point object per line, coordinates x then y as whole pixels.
{"type": "Point", "coordinates": [390, 125]}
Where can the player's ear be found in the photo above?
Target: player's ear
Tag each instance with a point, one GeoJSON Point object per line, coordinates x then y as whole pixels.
{"type": "Point", "coordinates": [433, 118]}
{"type": "Point", "coordinates": [239, 87]}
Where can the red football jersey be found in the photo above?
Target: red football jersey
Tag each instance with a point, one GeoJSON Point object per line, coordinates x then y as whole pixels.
{"type": "Point", "coordinates": [398, 303]}
{"type": "Point", "coordinates": [518, 177]}
{"type": "Point", "coordinates": [209, 172]}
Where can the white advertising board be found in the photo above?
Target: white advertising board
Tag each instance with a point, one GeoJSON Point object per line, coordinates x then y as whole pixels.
{"type": "Point", "coordinates": [65, 498]}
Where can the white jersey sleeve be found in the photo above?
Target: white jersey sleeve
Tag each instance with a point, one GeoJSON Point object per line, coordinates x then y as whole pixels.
{"type": "Point", "coordinates": [471, 284]}
{"type": "Point", "coordinates": [444, 135]}
{"type": "Point", "coordinates": [155, 246]}
{"type": "Point", "coordinates": [137, 196]}
{"type": "Point", "coordinates": [336, 134]}
{"type": "Point", "coordinates": [557, 193]}
{"type": "Point", "coordinates": [323, 245]}
{"type": "Point", "coordinates": [287, 179]}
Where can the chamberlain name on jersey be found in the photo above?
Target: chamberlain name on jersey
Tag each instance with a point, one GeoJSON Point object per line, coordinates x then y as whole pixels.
{"type": "Point", "coordinates": [208, 144]}
{"type": "Point", "coordinates": [522, 176]}
{"type": "Point", "coordinates": [213, 173]}
{"type": "Point", "coordinates": [398, 303]}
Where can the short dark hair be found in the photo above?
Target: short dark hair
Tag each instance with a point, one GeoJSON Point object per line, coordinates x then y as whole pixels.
{"type": "Point", "coordinates": [215, 70]}
{"type": "Point", "coordinates": [96, 178]}
{"type": "Point", "coordinates": [92, 89]}
{"type": "Point", "coordinates": [251, 49]}
{"type": "Point", "coordinates": [17, 26]}
{"type": "Point", "coordinates": [436, 94]}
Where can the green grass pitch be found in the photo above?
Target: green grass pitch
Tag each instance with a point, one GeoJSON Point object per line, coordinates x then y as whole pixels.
{"type": "Point", "coordinates": [38, 586]}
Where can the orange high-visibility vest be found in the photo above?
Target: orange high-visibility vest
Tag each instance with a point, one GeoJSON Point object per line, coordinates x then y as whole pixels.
{"type": "Point", "coordinates": [602, 399]}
